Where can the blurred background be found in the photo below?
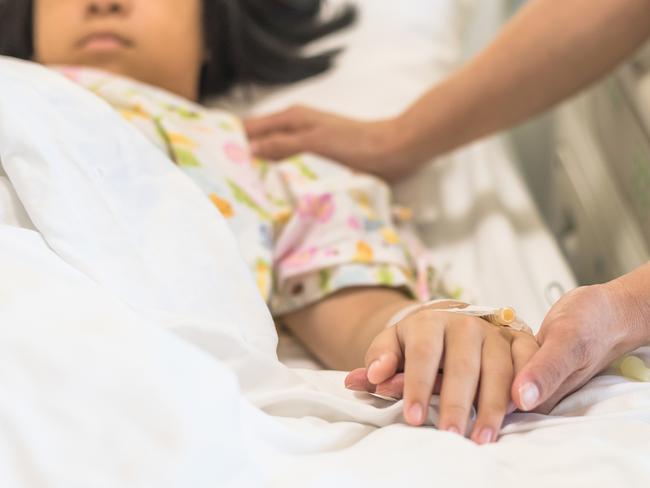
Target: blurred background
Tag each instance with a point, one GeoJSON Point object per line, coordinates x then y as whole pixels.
{"type": "Point", "coordinates": [587, 162]}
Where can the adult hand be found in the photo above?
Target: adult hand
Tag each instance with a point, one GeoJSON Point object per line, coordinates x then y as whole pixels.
{"type": "Point", "coordinates": [479, 359]}
{"type": "Point", "coordinates": [586, 331]}
{"type": "Point", "coordinates": [372, 147]}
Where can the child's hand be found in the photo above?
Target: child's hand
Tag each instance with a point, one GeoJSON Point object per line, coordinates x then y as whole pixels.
{"type": "Point", "coordinates": [480, 361]}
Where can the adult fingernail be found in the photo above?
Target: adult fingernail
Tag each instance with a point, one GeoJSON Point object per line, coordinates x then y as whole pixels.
{"type": "Point", "coordinates": [528, 395]}
{"type": "Point", "coordinates": [415, 414]}
{"type": "Point", "coordinates": [486, 435]}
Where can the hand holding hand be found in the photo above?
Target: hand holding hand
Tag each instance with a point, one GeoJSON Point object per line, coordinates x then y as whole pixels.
{"type": "Point", "coordinates": [586, 331]}
{"type": "Point", "coordinates": [480, 361]}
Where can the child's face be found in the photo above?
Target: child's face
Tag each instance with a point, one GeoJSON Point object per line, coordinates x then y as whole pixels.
{"type": "Point", "coordinates": [156, 41]}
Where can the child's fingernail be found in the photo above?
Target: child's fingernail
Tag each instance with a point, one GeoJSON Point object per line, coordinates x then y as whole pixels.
{"type": "Point", "coordinates": [486, 435]}
{"type": "Point", "coordinates": [453, 430]}
{"type": "Point", "coordinates": [372, 369]}
{"type": "Point", "coordinates": [415, 414]}
{"type": "Point", "coordinates": [529, 395]}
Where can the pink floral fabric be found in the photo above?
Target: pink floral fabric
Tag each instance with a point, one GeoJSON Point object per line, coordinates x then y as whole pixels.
{"type": "Point", "coordinates": [306, 227]}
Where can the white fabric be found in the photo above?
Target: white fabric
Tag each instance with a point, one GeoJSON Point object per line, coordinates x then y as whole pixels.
{"type": "Point", "coordinates": [127, 359]}
{"type": "Point", "coordinates": [134, 350]}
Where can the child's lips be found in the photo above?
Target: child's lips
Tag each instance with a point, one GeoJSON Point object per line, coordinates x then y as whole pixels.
{"type": "Point", "coordinates": [104, 41]}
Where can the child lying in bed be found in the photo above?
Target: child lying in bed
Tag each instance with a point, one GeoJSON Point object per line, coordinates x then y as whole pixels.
{"type": "Point", "coordinates": [319, 238]}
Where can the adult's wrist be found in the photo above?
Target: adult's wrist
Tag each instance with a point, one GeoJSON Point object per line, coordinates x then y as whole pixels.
{"type": "Point", "coordinates": [632, 306]}
{"type": "Point", "coordinates": [415, 140]}
{"type": "Point", "coordinates": [443, 119]}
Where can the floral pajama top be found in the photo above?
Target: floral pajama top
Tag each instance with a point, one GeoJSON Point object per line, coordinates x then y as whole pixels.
{"type": "Point", "coordinates": [306, 227]}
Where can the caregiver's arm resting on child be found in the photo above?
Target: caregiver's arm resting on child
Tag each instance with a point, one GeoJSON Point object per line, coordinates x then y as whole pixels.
{"type": "Point", "coordinates": [548, 52]}
{"type": "Point", "coordinates": [349, 329]}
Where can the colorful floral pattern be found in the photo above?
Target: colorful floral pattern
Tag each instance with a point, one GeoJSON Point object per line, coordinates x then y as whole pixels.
{"type": "Point", "coordinates": [306, 227]}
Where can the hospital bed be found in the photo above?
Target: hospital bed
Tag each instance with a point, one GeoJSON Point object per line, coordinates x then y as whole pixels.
{"type": "Point", "coordinates": [138, 370]}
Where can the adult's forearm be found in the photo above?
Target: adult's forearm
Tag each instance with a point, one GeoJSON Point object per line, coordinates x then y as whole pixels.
{"type": "Point", "coordinates": [546, 53]}
{"type": "Point", "coordinates": [632, 292]}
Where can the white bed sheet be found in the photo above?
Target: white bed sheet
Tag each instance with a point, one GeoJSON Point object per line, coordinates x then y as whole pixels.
{"type": "Point", "coordinates": [119, 368]}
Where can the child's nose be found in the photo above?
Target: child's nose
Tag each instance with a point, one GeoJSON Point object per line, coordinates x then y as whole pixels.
{"type": "Point", "coordinates": [108, 7]}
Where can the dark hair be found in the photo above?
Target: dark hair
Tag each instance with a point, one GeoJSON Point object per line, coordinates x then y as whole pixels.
{"type": "Point", "coordinates": [249, 41]}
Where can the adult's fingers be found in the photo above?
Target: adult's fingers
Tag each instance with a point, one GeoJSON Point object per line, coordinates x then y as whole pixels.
{"type": "Point", "coordinates": [423, 339]}
{"type": "Point", "coordinates": [463, 347]}
{"type": "Point", "coordinates": [571, 384]}
{"type": "Point", "coordinates": [292, 119]}
{"type": "Point", "coordinates": [557, 359]}
{"type": "Point", "coordinates": [282, 145]}
{"type": "Point", "coordinates": [494, 391]}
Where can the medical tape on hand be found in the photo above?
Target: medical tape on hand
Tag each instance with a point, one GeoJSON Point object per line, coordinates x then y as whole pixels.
{"type": "Point", "coordinates": [501, 317]}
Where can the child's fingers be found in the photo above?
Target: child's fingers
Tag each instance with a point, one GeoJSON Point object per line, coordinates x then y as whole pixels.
{"type": "Point", "coordinates": [494, 394]}
{"type": "Point", "coordinates": [394, 387]}
{"type": "Point", "coordinates": [463, 347]}
{"type": "Point", "coordinates": [384, 356]}
{"type": "Point", "coordinates": [357, 380]}
{"type": "Point", "coordinates": [524, 346]}
{"type": "Point", "coordinates": [424, 339]}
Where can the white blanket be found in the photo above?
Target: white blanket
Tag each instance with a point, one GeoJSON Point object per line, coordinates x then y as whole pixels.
{"type": "Point", "coordinates": [135, 351]}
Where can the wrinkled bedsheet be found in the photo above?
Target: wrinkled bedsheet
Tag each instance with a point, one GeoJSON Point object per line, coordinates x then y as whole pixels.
{"type": "Point", "coordinates": [135, 350]}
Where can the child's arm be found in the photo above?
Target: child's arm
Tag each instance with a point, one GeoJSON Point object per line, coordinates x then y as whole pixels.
{"type": "Point", "coordinates": [348, 330]}
{"type": "Point", "coordinates": [339, 329]}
